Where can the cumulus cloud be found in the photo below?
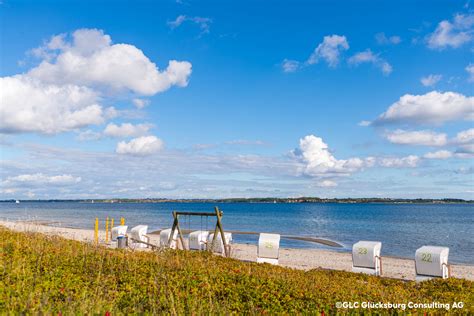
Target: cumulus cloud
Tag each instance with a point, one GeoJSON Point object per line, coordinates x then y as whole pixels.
{"type": "Point", "coordinates": [39, 178]}
{"type": "Point", "coordinates": [203, 23]}
{"type": "Point", "coordinates": [382, 39]}
{"type": "Point", "coordinates": [440, 154]}
{"type": "Point", "coordinates": [424, 138]}
{"type": "Point", "coordinates": [329, 50]}
{"type": "Point", "coordinates": [140, 103]}
{"type": "Point", "coordinates": [91, 59]}
{"type": "Point", "coordinates": [465, 142]}
{"type": "Point", "coordinates": [432, 108]}
{"type": "Point", "coordinates": [290, 65]}
{"type": "Point", "coordinates": [453, 33]}
{"type": "Point", "coordinates": [141, 146]}
{"type": "Point", "coordinates": [430, 80]}
{"type": "Point", "coordinates": [126, 130]}
{"type": "Point", "coordinates": [410, 161]}
{"type": "Point", "coordinates": [368, 56]}
{"type": "Point", "coordinates": [317, 160]}
{"type": "Point", "coordinates": [30, 105]}
{"type": "Point", "coordinates": [470, 70]}
{"type": "Point", "coordinates": [464, 137]}
{"type": "Point", "coordinates": [75, 75]}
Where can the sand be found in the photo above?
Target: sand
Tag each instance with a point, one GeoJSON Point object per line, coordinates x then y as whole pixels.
{"type": "Point", "coordinates": [304, 259]}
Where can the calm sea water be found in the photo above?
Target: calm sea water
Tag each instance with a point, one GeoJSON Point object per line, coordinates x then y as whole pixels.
{"type": "Point", "coordinates": [402, 228]}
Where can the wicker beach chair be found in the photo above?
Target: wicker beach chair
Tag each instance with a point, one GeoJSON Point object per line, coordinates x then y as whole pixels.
{"type": "Point", "coordinates": [432, 262]}
{"type": "Point", "coordinates": [219, 245]}
{"type": "Point", "coordinates": [268, 248]}
{"type": "Point", "coordinates": [139, 237]}
{"type": "Point", "coordinates": [366, 257]}
{"type": "Point", "coordinates": [165, 237]}
{"type": "Point", "coordinates": [198, 240]}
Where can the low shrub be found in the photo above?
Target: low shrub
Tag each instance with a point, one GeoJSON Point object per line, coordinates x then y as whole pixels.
{"type": "Point", "coordinates": [44, 274]}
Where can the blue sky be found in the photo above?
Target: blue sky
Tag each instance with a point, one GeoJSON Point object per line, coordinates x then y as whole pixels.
{"type": "Point", "coordinates": [224, 99]}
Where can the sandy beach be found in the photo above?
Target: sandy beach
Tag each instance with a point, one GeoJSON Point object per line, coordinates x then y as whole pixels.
{"type": "Point", "coordinates": [304, 259]}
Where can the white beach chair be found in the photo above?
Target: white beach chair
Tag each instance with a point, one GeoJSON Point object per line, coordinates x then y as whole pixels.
{"type": "Point", "coordinates": [165, 237]}
{"type": "Point", "coordinates": [268, 248]}
{"type": "Point", "coordinates": [198, 240]}
{"type": "Point", "coordinates": [137, 234]}
{"type": "Point", "coordinates": [118, 231]}
{"type": "Point", "coordinates": [366, 257]}
{"type": "Point", "coordinates": [219, 245]}
{"type": "Point", "coordinates": [432, 262]}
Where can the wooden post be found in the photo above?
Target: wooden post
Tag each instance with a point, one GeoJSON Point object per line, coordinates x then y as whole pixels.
{"type": "Point", "coordinates": [219, 225]}
{"type": "Point", "coordinates": [96, 231]}
{"type": "Point", "coordinates": [107, 229]}
{"type": "Point", "coordinates": [111, 226]}
{"type": "Point", "coordinates": [173, 228]}
{"type": "Point", "coordinates": [216, 231]}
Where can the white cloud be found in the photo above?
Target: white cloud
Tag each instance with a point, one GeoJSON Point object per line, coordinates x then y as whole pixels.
{"type": "Point", "coordinates": [430, 80]}
{"type": "Point", "coordinates": [440, 154]}
{"type": "Point", "coordinates": [465, 151]}
{"type": "Point", "coordinates": [430, 108]}
{"type": "Point", "coordinates": [141, 146]}
{"type": "Point", "coordinates": [126, 130]}
{"type": "Point", "coordinates": [317, 160]}
{"type": "Point", "coordinates": [64, 91]}
{"type": "Point", "coordinates": [329, 50]}
{"type": "Point", "coordinates": [424, 138]}
{"type": "Point", "coordinates": [29, 105]}
{"type": "Point", "coordinates": [464, 137]}
{"type": "Point", "coordinates": [39, 178]}
{"type": "Point", "coordinates": [364, 123]}
{"type": "Point", "coordinates": [470, 70]}
{"type": "Point", "coordinates": [410, 161]}
{"type": "Point", "coordinates": [326, 184]}
{"type": "Point", "coordinates": [452, 34]}
{"type": "Point", "coordinates": [140, 103]}
{"type": "Point", "coordinates": [91, 60]}
{"type": "Point", "coordinates": [368, 56]}
{"type": "Point", "coordinates": [88, 135]}
{"type": "Point", "coordinates": [290, 65]}
{"type": "Point", "coordinates": [382, 39]}
{"type": "Point", "coordinates": [203, 23]}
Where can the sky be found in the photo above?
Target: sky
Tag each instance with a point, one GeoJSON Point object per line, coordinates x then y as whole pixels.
{"type": "Point", "coordinates": [218, 99]}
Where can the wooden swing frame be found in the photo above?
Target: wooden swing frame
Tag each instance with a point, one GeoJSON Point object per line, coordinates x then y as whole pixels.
{"type": "Point", "coordinates": [218, 229]}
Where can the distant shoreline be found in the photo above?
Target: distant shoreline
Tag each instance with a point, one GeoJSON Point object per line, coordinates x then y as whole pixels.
{"type": "Point", "coordinates": [259, 200]}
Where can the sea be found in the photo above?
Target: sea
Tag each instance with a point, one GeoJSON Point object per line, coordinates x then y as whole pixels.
{"type": "Point", "coordinates": [402, 228]}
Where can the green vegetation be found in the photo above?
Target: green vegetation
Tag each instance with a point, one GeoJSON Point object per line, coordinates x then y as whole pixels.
{"type": "Point", "coordinates": [51, 275]}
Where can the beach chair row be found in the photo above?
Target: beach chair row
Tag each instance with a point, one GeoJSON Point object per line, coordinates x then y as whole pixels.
{"type": "Point", "coordinates": [198, 240]}
{"type": "Point", "coordinates": [430, 261]}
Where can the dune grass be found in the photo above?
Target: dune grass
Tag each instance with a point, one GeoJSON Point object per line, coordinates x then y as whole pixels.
{"type": "Point", "coordinates": [41, 274]}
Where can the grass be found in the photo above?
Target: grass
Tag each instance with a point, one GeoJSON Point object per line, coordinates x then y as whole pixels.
{"type": "Point", "coordinates": [51, 275]}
